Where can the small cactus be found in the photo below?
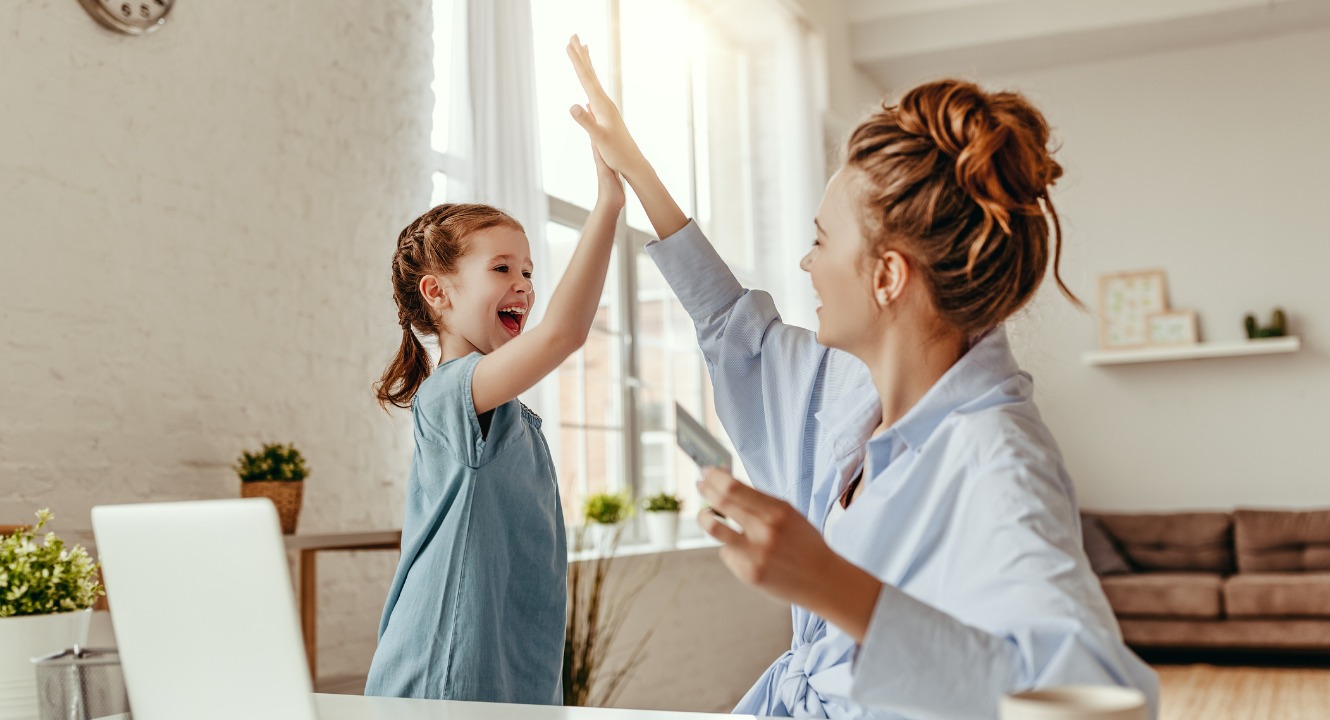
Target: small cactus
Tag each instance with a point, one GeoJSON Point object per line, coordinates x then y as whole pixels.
{"type": "Point", "coordinates": [1278, 326]}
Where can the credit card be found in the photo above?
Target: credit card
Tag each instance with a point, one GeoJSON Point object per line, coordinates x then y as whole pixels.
{"type": "Point", "coordinates": [697, 442]}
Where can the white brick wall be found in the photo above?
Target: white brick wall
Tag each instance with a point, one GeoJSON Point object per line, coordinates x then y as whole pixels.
{"type": "Point", "coordinates": [195, 230]}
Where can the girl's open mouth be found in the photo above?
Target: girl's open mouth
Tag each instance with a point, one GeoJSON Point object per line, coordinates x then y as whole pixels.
{"type": "Point", "coordinates": [512, 318]}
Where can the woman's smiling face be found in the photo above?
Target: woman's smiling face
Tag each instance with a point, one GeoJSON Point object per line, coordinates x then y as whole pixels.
{"type": "Point", "coordinates": [839, 266]}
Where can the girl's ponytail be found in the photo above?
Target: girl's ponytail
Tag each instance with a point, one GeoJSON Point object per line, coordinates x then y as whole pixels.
{"type": "Point", "coordinates": [405, 373]}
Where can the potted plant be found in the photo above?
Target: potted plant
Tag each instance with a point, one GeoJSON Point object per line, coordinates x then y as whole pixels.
{"type": "Point", "coordinates": [598, 608]}
{"type": "Point", "coordinates": [662, 516]}
{"type": "Point", "coordinates": [46, 594]}
{"type": "Point", "coordinates": [276, 472]}
{"type": "Point", "coordinates": [604, 514]}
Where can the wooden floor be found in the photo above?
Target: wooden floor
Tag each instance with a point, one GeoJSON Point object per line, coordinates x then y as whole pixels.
{"type": "Point", "coordinates": [341, 685]}
{"type": "Point", "coordinates": [1187, 692]}
{"type": "Point", "coordinates": [1217, 692]}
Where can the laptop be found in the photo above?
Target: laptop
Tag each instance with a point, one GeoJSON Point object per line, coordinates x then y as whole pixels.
{"type": "Point", "coordinates": [203, 611]}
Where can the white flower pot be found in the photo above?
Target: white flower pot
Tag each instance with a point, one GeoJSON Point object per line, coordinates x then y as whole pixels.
{"type": "Point", "coordinates": [23, 638]}
{"type": "Point", "coordinates": [598, 537]}
{"type": "Point", "coordinates": [663, 528]}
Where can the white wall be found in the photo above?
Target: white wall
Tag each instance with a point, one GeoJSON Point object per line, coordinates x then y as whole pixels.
{"type": "Point", "coordinates": [1211, 164]}
{"type": "Point", "coordinates": [195, 231]}
{"type": "Point", "coordinates": [711, 636]}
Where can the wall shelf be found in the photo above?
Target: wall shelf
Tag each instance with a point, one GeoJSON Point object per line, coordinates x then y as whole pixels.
{"type": "Point", "coordinates": [1263, 346]}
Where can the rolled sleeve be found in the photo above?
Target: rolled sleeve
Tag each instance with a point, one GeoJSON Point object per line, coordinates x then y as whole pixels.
{"type": "Point", "coordinates": [695, 272]}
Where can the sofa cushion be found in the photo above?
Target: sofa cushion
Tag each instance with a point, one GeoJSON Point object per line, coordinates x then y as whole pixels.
{"type": "Point", "coordinates": [1200, 541]}
{"type": "Point", "coordinates": [1278, 595]}
{"type": "Point", "coordinates": [1195, 596]}
{"type": "Point", "coordinates": [1105, 556]}
{"type": "Point", "coordinates": [1282, 540]}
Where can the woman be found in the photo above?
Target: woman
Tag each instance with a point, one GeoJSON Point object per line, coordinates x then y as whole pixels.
{"type": "Point", "coordinates": [923, 524]}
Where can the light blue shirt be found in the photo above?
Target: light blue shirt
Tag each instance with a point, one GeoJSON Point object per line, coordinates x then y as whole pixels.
{"type": "Point", "coordinates": [477, 607]}
{"type": "Point", "coordinates": [968, 517]}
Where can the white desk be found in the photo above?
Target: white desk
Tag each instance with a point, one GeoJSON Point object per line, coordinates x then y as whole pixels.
{"type": "Point", "coordinates": [355, 707]}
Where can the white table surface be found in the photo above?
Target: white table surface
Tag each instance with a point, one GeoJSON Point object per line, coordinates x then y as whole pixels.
{"type": "Point", "coordinates": [356, 707]}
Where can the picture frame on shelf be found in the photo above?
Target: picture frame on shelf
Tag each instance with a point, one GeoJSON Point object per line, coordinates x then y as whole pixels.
{"type": "Point", "coordinates": [1173, 328]}
{"type": "Point", "coordinates": [1126, 301]}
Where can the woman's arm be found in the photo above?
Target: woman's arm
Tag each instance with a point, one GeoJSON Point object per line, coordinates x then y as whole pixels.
{"type": "Point", "coordinates": [1026, 614]}
{"type": "Point", "coordinates": [519, 364]}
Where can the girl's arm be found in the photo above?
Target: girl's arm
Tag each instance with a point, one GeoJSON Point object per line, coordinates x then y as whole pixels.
{"type": "Point", "coordinates": [519, 364]}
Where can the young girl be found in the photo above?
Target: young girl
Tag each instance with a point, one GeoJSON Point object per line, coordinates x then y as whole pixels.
{"type": "Point", "coordinates": [476, 610]}
{"type": "Point", "coordinates": [924, 525]}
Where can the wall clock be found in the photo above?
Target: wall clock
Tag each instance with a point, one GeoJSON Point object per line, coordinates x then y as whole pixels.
{"type": "Point", "coordinates": [132, 17]}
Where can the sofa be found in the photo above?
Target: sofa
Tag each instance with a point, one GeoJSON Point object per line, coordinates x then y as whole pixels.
{"type": "Point", "coordinates": [1249, 579]}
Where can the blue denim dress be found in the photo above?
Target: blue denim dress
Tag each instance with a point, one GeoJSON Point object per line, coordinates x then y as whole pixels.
{"type": "Point", "coordinates": [477, 608]}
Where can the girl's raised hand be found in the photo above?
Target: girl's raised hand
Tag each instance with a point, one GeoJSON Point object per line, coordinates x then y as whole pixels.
{"type": "Point", "coordinates": [608, 184]}
{"type": "Point", "coordinates": [601, 118]}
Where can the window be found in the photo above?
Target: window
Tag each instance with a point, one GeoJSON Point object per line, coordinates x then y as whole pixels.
{"type": "Point", "coordinates": [695, 78]}
{"type": "Point", "coordinates": [688, 105]}
{"type": "Point", "coordinates": [446, 80]}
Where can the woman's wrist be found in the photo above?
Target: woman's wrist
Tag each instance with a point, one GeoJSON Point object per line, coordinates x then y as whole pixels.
{"type": "Point", "coordinates": [846, 597]}
{"type": "Point", "coordinates": [637, 170]}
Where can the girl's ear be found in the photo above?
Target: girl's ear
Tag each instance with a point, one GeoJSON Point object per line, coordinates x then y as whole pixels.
{"type": "Point", "coordinates": [434, 293]}
{"type": "Point", "coordinates": [890, 274]}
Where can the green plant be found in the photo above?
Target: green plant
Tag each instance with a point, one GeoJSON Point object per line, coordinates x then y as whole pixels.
{"type": "Point", "coordinates": [274, 462]}
{"type": "Point", "coordinates": [1278, 326]}
{"type": "Point", "coordinates": [47, 578]}
{"type": "Point", "coordinates": [664, 502]}
{"type": "Point", "coordinates": [607, 508]}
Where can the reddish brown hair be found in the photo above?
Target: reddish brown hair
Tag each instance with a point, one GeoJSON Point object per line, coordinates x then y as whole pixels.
{"type": "Point", "coordinates": [430, 245]}
{"type": "Point", "coordinates": [958, 182]}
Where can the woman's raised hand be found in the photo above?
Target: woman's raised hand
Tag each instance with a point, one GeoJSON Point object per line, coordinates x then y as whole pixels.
{"type": "Point", "coordinates": [600, 118]}
{"type": "Point", "coordinates": [781, 553]}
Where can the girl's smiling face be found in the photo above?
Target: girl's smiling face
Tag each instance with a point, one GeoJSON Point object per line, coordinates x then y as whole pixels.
{"type": "Point", "coordinates": [487, 301]}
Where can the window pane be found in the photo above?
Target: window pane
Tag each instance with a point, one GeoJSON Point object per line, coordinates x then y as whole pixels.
{"type": "Point", "coordinates": [443, 73]}
{"type": "Point", "coordinates": [656, 102]}
{"type": "Point", "coordinates": [565, 152]}
{"type": "Point", "coordinates": [723, 146]}
{"type": "Point", "coordinates": [591, 457]}
{"type": "Point", "coordinates": [672, 370]}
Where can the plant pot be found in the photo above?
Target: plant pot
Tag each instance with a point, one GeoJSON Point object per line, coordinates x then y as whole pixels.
{"type": "Point", "coordinates": [663, 528]}
{"type": "Point", "coordinates": [600, 536]}
{"type": "Point", "coordinates": [285, 494]}
{"type": "Point", "coordinates": [23, 638]}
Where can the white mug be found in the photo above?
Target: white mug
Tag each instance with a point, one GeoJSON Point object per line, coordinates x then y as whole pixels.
{"type": "Point", "coordinates": [1075, 702]}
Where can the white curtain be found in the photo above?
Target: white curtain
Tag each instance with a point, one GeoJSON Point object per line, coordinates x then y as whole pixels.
{"type": "Point", "coordinates": [494, 133]}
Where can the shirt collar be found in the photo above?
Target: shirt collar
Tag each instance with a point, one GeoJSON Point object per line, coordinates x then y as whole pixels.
{"type": "Point", "coordinates": [986, 365]}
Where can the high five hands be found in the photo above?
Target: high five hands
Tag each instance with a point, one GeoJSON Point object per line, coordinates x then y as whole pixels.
{"type": "Point", "coordinates": [600, 117]}
{"type": "Point", "coordinates": [603, 123]}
